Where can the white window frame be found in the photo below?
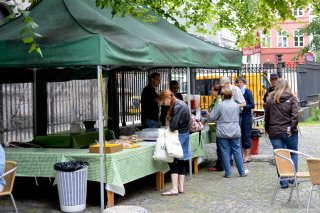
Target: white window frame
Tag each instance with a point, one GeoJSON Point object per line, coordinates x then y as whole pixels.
{"type": "Point", "coordinates": [298, 12]}
{"type": "Point", "coordinates": [299, 39]}
{"type": "Point", "coordinates": [282, 39]}
{"type": "Point", "coordinates": [266, 40]}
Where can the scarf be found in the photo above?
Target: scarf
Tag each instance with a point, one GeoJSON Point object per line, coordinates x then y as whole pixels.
{"type": "Point", "coordinates": [243, 89]}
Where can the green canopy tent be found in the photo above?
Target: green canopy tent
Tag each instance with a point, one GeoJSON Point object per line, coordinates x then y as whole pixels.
{"type": "Point", "coordinates": [77, 33]}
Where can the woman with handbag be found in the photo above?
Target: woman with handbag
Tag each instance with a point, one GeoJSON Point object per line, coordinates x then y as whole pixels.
{"type": "Point", "coordinates": [178, 118]}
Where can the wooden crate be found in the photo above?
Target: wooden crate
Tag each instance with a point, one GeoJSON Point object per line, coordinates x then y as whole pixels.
{"type": "Point", "coordinates": [109, 148]}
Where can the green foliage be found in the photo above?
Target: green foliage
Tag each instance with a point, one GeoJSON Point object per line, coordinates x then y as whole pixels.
{"type": "Point", "coordinates": [242, 17]}
{"type": "Point", "coordinates": [29, 34]}
{"type": "Point", "coordinates": [313, 28]}
{"type": "Point", "coordinates": [315, 115]}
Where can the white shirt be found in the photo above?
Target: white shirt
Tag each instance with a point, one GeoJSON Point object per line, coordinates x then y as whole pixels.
{"type": "Point", "coordinates": [237, 95]}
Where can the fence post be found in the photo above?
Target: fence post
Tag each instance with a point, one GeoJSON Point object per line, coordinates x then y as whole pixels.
{"type": "Point", "coordinates": [113, 98]}
{"type": "Point", "coordinates": [279, 66]}
{"type": "Point", "coordinates": [1, 117]}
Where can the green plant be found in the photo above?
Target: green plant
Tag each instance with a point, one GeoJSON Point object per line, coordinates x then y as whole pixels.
{"type": "Point", "coordinates": [315, 114]}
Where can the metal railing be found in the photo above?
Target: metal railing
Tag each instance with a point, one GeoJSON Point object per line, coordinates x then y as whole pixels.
{"type": "Point", "coordinates": [76, 100]}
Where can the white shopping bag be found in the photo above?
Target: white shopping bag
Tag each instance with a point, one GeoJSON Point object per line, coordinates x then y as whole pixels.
{"type": "Point", "coordinates": [173, 144]}
{"type": "Point", "coordinates": [160, 152]}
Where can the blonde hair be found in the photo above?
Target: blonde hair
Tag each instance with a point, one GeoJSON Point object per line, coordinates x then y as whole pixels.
{"type": "Point", "coordinates": [227, 94]}
{"type": "Point", "coordinates": [164, 94]}
{"type": "Point", "coordinates": [281, 87]}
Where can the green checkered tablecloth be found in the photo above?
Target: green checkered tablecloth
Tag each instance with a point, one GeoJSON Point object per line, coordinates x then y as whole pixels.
{"type": "Point", "coordinates": [121, 167]}
{"type": "Point", "coordinates": [196, 145]}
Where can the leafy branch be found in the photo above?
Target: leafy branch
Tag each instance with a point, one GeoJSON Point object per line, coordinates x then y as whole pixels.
{"type": "Point", "coordinates": [29, 33]}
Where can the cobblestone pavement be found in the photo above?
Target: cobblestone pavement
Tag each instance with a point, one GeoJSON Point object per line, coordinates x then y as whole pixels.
{"type": "Point", "coordinates": [206, 192]}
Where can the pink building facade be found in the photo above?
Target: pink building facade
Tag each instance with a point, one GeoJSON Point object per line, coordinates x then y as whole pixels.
{"type": "Point", "coordinates": [285, 40]}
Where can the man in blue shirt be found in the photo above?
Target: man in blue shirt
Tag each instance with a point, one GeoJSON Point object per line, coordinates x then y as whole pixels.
{"type": "Point", "coordinates": [2, 167]}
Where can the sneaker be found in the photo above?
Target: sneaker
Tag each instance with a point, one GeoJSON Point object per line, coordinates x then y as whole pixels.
{"type": "Point", "coordinates": [226, 176]}
{"type": "Point", "coordinates": [246, 172]}
{"type": "Point", "coordinates": [284, 184]}
{"type": "Point", "coordinates": [292, 182]}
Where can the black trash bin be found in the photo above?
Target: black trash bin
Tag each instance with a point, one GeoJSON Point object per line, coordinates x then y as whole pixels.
{"type": "Point", "coordinates": [72, 185]}
{"type": "Point", "coordinates": [255, 135]}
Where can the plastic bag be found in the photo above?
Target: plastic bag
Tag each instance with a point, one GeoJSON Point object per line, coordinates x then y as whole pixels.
{"type": "Point", "coordinates": [160, 152]}
{"type": "Point", "coordinates": [70, 166]}
{"type": "Point", "coordinates": [149, 134]}
{"type": "Point", "coordinates": [173, 145]}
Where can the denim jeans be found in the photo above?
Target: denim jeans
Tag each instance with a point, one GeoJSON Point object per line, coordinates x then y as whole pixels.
{"type": "Point", "coordinates": [230, 146]}
{"type": "Point", "coordinates": [184, 140]}
{"type": "Point", "coordinates": [283, 141]}
{"type": "Point", "coordinates": [148, 123]}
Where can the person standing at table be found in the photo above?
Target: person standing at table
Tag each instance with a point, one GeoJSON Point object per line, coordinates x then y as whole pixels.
{"type": "Point", "coordinates": [149, 103]}
{"type": "Point", "coordinates": [174, 88]}
{"type": "Point", "coordinates": [226, 115]}
{"type": "Point", "coordinates": [216, 96]}
{"type": "Point", "coordinates": [2, 168]}
{"type": "Point", "coordinates": [236, 92]}
{"type": "Point", "coordinates": [246, 119]}
{"type": "Point", "coordinates": [281, 121]}
{"type": "Point", "coordinates": [178, 117]}
{"type": "Point", "coordinates": [273, 81]}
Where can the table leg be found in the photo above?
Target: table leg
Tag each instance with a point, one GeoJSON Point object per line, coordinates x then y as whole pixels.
{"type": "Point", "coordinates": [159, 181]}
{"type": "Point", "coordinates": [110, 196]}
{"type": "Point", "coordinates": [195, 166]}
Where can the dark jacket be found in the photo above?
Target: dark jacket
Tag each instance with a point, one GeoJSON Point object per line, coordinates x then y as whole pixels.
{"type": "Point", "coordinates": [149, 105]}
{"type": "Point", "coordinates": [248, 96]}
{"type": "Point", "coordinates": [269, 90]}
{"type": "Point", "coordinates": [180, 117]}
{"type": "Point", "coordinates": [278, 117]}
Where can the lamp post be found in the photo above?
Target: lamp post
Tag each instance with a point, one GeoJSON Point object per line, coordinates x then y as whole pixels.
{"type": "Point", "coordinates": [279, 66]}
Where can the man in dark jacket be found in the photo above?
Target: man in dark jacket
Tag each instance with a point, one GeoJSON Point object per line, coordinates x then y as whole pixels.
{"type": "Point", "coordinates": [273, 80]}
{"type": "Point", "coordinates": [149, 103]}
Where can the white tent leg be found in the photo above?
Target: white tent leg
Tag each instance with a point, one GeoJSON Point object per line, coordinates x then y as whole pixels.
{"type": "Point", "coordinates": [100, 121]}
{"type": "Point", "coordinates": [189, 104]}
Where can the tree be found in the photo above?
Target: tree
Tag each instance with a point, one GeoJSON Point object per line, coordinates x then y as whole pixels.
{"type": "Point", "coordinates": [242, 17]}
{"type": "Point", "coordinates": [313, 29]}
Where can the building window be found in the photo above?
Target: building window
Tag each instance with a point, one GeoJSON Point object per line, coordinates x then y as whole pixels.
{"type": "Point", "coordinates": [298, 12]}
{"type": "Point", "coordinates": [266, 40]}
{"type": "Point", "coordinates": [282, 39]}
{"type": "Point", "coordinates": [298, 38]}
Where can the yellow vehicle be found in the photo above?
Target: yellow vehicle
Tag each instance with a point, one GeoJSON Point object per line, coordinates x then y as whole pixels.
{"type": "Point", "coordinates": [256, 82]}
{"type": "Point", "coordinates": [135, 105]}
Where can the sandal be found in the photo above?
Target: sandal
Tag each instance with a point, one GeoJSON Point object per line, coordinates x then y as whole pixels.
{"type": "Point", "coordinates": [247, 160]}
{"type": "Point", "coordinates": [169, 193]}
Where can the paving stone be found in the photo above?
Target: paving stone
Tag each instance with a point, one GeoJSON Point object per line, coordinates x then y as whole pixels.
{"type": "Point", "coordinates": [207, 192]}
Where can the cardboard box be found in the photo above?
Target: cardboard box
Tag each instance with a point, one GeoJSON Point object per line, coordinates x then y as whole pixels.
{"type": "Point", "coordinates": [109, 148]}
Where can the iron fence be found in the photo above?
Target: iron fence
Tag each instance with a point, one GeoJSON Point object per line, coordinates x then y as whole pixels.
{"type": "Point", "coordinates": [16, 112]}
{"type": "Point", "coordinates": [76, 100]}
